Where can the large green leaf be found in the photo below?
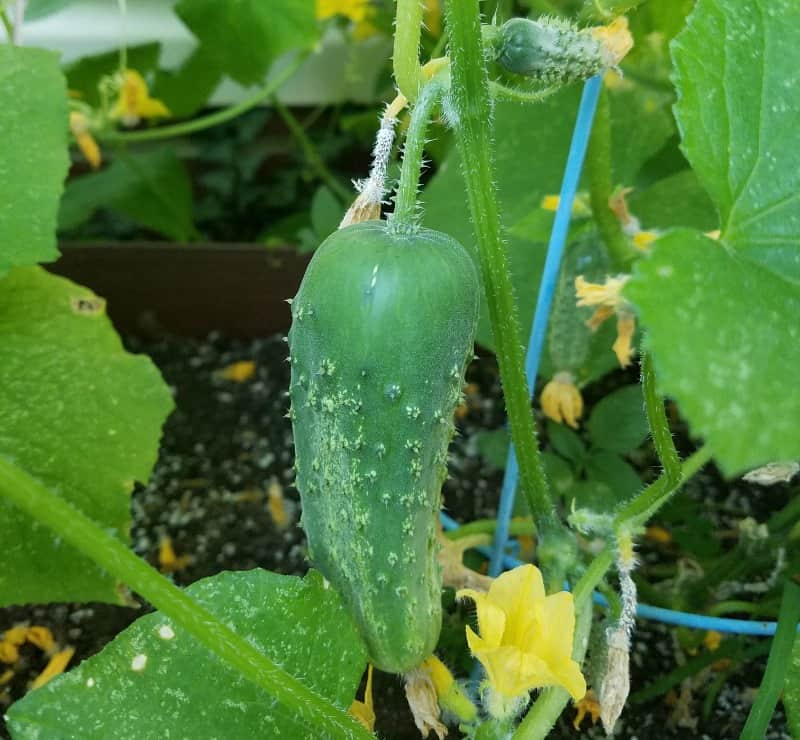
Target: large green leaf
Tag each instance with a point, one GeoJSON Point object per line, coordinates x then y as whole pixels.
{"type": "Point", "coordinates": [33, 154]}
{"type": "Point", "coordinates": [726, 341]}
{"type": "Point", "coordinates": [81, 415]}
{"type": "Point", "coordinates": [188, 88]}
{"type": "Point", "coordinates": [618, 422]}
{"type": "Point", "coordinates": [35, 9]}
{"type": "Point", "coordinates": [736, 69]}
{"type": "Point", "coordinates": [152, 188]}
{"type": "Point", "coordinates": [722, 316]}
{"type": "Point", "coordinates": [791, 691]}
{"type": "Point", "coordinates": [244, 37]}
{"type": "Point", "coordinates": [154, 681]}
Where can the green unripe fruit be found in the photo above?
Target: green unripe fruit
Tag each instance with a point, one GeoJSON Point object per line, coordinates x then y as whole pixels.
{"type": "Point", "coordinates": [551, 52]}
{"type": "Point", "coordinates": [382, 330]}
{"type": "Point", "coordinates": [568, 336]}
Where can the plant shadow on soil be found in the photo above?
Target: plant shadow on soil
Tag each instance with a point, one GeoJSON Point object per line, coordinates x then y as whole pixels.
{"type": "Point", "coordinates": [227, 442]}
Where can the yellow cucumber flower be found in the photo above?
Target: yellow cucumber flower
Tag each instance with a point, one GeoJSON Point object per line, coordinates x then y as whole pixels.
{"type": "Point", "coordinates": [79, 127]}
{"type": "Point", "coordinates": [525, 639]}
{"type": "Point", "coordinates": [359, 12]}
{"type": "Point", "coordinates": [561, 400]}
{"type": "Point", "coordinates": [134, 102]}
{"type": "Point", "coordinates": [607, 299]}
{"type": "Point", "coordinates": [616, 40]}
{"type": "Point", "coordinates": [580, 205]}
{"type": "Point", "coordinates": [364, 711]}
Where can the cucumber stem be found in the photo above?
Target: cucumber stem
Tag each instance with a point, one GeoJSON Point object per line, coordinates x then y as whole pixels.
{"type": "Point", "coordinates": [109, 553]}
{"type": "Point", "coordinates": [407, 34]}
{"type": "Point", "coordinates": [209, 121]}
{"type": "Point", "coordinates": [598, 171]}
{"type": "Point", "coordinates": [406, 213]}
{"type": "Point", "coordinates": [470, 100]}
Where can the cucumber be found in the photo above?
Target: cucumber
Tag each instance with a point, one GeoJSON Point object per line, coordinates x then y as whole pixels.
{"type": "Point", "coordinates": [382, 331]}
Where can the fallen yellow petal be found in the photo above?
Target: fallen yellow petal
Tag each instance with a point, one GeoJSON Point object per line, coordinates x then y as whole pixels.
{"type": "Point", "coordinates": [643, 239]}
{"type": "Point", "coordinates": [364, 711]}
{"type": "Point", "coordinates": [276, 503]}
{"type": "Point", "coordinates": [42, 637]}
{"type": "Point", "coordinates": [239, 372]}
{"type": "Point", "coordinates": [55, 667]}
{"type": "Point", "coordinates": [16, 635]}
{"type": "Point", "coordinates": [712, 640]}
{"type": "Point", "coordinates": [168, 561]}
{"type": "Point", "coordinates": [9, 653]}
{"type": "Point", "coordinates": [6, 676]}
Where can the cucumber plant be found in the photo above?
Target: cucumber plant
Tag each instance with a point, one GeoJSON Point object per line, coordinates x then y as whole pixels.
{"type": "Point", "coordinates": [383, 329]}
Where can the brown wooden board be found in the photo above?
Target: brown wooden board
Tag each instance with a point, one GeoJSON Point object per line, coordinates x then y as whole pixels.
{"type": "Point", "coordinates": [189, 290]}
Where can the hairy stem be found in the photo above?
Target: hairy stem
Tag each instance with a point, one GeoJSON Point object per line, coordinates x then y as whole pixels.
{"type": "Point", "coordinates": [405, 216]}
{"type": "Point", "coordinates": [659, 426]}
{"type": "Point", "coordinates": [407, 33]}
{"type": "Point", "coordinates": [598, 171]}
{"type": "Point", "coordinates": [310, 152]}
{"type": "Point", "coordinates": [472, 111]}
{"type": "Point", "coordinates": [205, 122]}
{"type": "Point", "coordinates": [113, 556]}
{"type": "Point", "coordinates": [636, 512]}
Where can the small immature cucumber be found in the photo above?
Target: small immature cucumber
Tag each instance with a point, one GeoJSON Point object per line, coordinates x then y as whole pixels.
{"type": "Point", "coordinates": [382, 330]}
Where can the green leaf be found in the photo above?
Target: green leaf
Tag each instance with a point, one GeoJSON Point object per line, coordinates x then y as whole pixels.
{"type": "Point", "coordinates": [676, 200]}
{"type": "Point", "coordinates": [84, 75]}
{"type": "Point", "coordinates": [33, 153]}
{"type": "Point", "coordinates": [182, 690]}
{"type": "Point", "coordinates": [566, 442]}
{"type": "Point", "coordinates": [735, 69]}
{"type": "Point", "coordinates": [187, 89]}
{"type": "Point", "coordinates": [618, 422]}
{"type": "Point", "coordinates": [608, 468]}
{"type": "Point", "coordinates": [724, 346]}
{"type": "Point", "coordinates": [35, 9]}
{"type": "Point", "coordinates": [791, 690]}
{"type": "Point", "coordinates": [81, 415]}
{"type": "Point", "coordinates": [257, 31]}
{"type": "Point", "coordinates": [780, 656]}
{"type": "Point", "coordinates": [493, 446]}
{"type": "Point", "coordinates": [151, 188]}
{"type": "Point", "coordinates": [326, 213]}
{"type": "Point", "coordinates": [591, 494]}
{"type": "Point", "coordinates": [559, 473]}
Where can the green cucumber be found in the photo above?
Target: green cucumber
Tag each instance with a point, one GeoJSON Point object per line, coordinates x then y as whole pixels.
{"type": "Point", "coordinates": [382, 331]}
{"type": "Point", "coordinates": [568, 337]}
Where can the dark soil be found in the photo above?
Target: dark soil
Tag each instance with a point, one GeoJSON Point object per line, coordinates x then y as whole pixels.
{"type": "Point", "coordinates": [227, 442]}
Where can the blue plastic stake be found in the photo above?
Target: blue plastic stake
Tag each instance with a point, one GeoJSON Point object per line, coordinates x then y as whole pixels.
{"type": "Point", "coordinates": [753, 628]}
{"type": "Point", "coordinates": [552, 265]}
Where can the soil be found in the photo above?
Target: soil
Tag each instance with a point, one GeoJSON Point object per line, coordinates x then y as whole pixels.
{"type": "Point", "coordinates": [224, 446]}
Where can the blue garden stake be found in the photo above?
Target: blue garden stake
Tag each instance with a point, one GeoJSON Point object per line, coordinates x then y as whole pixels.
{"type": "Point", "coordinates": [552, 265]}
{"type": "Point", "coordinates": [753, 628]}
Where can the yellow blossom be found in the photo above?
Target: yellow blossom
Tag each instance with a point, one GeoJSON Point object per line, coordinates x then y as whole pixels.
{"type": "Point", "coordinates": [452, 697]}
{"type": "Point", "coordinates": [364, 711]}
{"type": "Point", "coordinates": [9, 652]}
{"type": "Point", "coordinates": [616, 40]}
{"type": "Point", "coordinates": [55, 667]}
{"type": "Point", "coordinates": [359, 12]}
{"type": "Point", "coordinates": [79, 127]}
{"type": "Point", "coordinates": [134, 102]}
{"type": "Point", "coordinates": [643, 239]}
{"type": "Point", "coordinates": [525, 637]}
{"type": "Point", "coordinates": [561, 400]}
{"type": "Point", "coordinates": [658, 534]}
{"type": "Point", "coordinates": [607, 299]}
{"type": "Point", "coordinates": [16, 635]}
{"type": "Point", "coordinates": [580, 205]}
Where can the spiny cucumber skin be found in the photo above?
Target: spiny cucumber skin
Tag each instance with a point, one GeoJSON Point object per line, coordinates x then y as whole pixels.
{"type": "Point", "coordinates": [382, 330]}
{"type": "Point", "coordinates": [549, 51]}
{"type": "Point", "coordinates": [569, 338]}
